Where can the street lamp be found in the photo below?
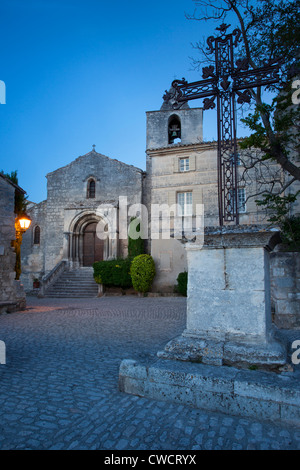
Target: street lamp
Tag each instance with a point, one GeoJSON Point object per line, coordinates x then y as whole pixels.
{"type": "Point", "coordinates": [22, 223]}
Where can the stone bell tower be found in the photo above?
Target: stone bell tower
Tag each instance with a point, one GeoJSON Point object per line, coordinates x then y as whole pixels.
{"type": "Point", "coordinates": [174, 138]}
{"type": "Point", "coordinates": [168, 126]}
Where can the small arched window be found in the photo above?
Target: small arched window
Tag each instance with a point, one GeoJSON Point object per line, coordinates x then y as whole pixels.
{"type": "Point", "coordinates": [174, 130]}
{"type": "Point", "coordinates": [37, 235]}
{"type": "Point", "coordinates": [91, 189]}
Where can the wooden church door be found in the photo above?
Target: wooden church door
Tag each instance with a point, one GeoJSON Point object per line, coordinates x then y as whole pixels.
{"type": "Point", "coordinates": [92, 245]}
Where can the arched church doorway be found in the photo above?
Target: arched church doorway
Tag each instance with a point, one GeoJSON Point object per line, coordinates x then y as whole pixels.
{"type": "Point", "coordinates": [84, 245]}
{"type": "Point", "coordinates": [93, 246]}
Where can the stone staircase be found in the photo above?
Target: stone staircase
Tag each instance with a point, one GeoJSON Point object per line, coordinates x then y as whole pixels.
{"type": "Point", "coordinates": [74, 284]}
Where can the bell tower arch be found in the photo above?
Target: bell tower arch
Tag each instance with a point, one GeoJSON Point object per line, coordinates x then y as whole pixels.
{"type": "Point", "coordinates": [174, 129]}
{"type": "Point", "coordinates": [168, 127]}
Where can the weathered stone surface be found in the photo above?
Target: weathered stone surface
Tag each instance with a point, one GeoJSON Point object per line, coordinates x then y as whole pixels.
{"type": "Point", "coordinates": [252, 394]}
{"type": "Point", "coordinates": [228, 305]}
{"type": "Point", "coordinates": [285, 283]}
{"type": "Point", "coordinates": [157, 126]}
{"type": "Point", "coordinates": [228, 289]}
{"type": "Point", "coordinates": [12, 295]}
{"type": "Point", "coordinates": [67, 210]}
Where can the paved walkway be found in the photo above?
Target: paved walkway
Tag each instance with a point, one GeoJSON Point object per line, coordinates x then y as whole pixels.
{"type": "Point", "coordinates": [59, 386]}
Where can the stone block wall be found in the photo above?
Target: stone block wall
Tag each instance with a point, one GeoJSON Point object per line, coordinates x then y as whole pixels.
{"type": "Point", "coordinates": [7, 234]}
{"type": "Point", "coordinates": [157, 126]}
{"type": "Point", "coordinates": [285, 289]}
{"type": "Point", "coordinates": [11, 290]}
{"type": "Point", "coordinates": [68, 202]}
{"type": "Point", "coordinates": [67, 194]}
{"type": "Point", "coordinates": [33, 255]}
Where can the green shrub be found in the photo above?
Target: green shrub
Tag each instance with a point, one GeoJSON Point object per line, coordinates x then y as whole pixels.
{"type": "Point", "coordinates": [142, 273]}
{"type": "Point", "coordinates": [97, 278]}
{"type": "Point", "coordinates": [182, 281]}
{"type": "Point", "coordinates": [135, 246]}
{"type": "Point", "coordinates": [113, 273]}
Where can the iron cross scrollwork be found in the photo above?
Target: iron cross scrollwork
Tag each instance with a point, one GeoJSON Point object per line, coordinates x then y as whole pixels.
{"type": "Point", "coordinates": [223, 82]}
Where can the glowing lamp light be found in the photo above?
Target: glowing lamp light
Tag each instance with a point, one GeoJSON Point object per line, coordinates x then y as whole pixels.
{"type": "Point", "coordinates": [24, 222]}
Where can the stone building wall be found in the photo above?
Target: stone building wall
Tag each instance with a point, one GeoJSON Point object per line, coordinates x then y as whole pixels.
{"type": "Point", "coordinates": [163, 165]}
{"type": "Point", "coordinates": [191, 120]}
{"type": "Point", "coordinates": [7, 234]}
{"type": "Point", "coordinates": [33, 254]}
{"type": "Point", "coordinates": [67, 204]}
{"type": "Point", "coordinates": [11, 290]}
{"type": "Point", "coordinates": [67, 195]}
{"type": "Point", "coordinates": [166, 179]}
{"type": "Point", "coordinates": [285, 289]}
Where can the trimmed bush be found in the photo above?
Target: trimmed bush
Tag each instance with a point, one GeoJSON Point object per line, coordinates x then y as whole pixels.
{"type": "Point", "coordinates": [182, 281]}
{"type": "Point", "coordinates": [113, 273]}
{"type": "Point", "coordinates": [135, 246]}
{"type": "Point", "coordinates": [142, 273]}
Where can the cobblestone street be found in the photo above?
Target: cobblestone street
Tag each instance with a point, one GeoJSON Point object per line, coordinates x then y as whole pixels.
{"type": "Point", "coordinates": [59, 386]}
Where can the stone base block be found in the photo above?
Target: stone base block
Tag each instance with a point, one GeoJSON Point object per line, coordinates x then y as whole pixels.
{"type": "Point", "coordinates": [8, 307]}
{"type": "Point", "coordinates": [253, 394]}
{"type": "Point", "coordinates": [217, 351]}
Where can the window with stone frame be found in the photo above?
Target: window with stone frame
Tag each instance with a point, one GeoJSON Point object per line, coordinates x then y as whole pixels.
{"type": "Point", "coordinates": [36, 235]}
{"type": "Point", "coordinates": [91, 189]}
{"type": "Point", "coordinates": [185, 203]}
{"type": "Point", "coordinates": [242, 200]}
{"type": "Point", "coordinates": [184, 164]}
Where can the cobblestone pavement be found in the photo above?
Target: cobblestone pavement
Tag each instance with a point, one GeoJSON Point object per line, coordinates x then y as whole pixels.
{"type": "Point", "coordinates": [59, 386]}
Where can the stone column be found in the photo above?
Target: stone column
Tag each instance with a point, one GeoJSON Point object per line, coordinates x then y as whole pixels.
{"type": "Point", "coordinates": [66, 246]}
{"type": "Point", "coordinates": [72, 245]}
{"type": "Point", "coordinates": [80, 254]}
{"type": "Point", "coordinates": [76, 263]}
{"type": "Point", "coordinates": [228, 304]}
{"type": "Point", "coordinates": [111, 245]}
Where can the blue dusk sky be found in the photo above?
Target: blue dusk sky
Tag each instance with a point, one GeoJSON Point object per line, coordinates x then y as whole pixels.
{"type": "Point", "coordinates": [84, 72]}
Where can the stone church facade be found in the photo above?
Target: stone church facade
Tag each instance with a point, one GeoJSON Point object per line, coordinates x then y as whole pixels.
{"type": "Point", "coordinates": [180, 169]}
{"type": "Point", "coordinates": [64, 226]}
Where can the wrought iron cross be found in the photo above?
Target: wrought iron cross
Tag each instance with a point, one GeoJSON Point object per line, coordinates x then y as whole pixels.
{"type": "Point", "coordinates": [224, 81]}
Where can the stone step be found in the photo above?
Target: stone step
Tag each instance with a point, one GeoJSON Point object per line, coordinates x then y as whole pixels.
{"type": "Point", "coordinates": [77, 277]}
{"type": "Point", "coordinates": [71, 290]}
{"type": "Point", "coordinates": [69, 296]}
{"type": "Point", "coordinates": [76, 284]}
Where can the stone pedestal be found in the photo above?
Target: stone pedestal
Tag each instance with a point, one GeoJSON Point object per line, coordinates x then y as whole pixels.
{"type": "Point", "coordinates": [228, 304]}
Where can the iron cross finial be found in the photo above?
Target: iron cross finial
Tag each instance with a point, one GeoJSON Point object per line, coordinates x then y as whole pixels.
{"type": "Point", "coordinates": [227, 83]}
{"type": "Point", "coordinates": [223, 28]}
